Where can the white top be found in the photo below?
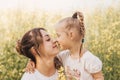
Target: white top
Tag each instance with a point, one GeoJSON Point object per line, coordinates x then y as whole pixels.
{"type": "Point", "coordinates": [38, 76]}
{"type": "Point", "coordinates": [80, 69]}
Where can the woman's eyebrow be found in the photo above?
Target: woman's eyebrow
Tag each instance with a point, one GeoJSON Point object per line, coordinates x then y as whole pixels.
{"type": "Point", "coordinates": [46, 35]}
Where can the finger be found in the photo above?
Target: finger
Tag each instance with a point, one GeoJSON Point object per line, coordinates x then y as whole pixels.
{"type": "Point", "coordinates": [33, 70]}
{"type": "Point", "coordinates": [33, 64]}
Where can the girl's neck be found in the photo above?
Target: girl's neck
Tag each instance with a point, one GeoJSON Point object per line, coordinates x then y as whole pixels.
{"type": "Point", "coordinates": [75, 51]}
{"type": "Point", "coordinates": [75, 48]}
{"type": "Point", "coordinates": [46, 66]}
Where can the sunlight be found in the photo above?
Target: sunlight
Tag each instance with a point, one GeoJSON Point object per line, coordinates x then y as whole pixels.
{"type": "Point", "coordinates": [56, 5]}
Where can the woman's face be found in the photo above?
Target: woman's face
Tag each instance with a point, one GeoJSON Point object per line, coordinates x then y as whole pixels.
{"type": "Point", "coordinates": [49, 47]}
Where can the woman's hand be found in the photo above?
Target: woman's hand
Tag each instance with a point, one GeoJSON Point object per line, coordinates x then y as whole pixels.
{"type": "Point", "coordinates": [30, 67]}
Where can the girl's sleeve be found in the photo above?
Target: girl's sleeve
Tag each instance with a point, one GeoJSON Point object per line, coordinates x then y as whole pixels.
{"type": "Point", "coordinates": [63, 55]}
{"type": "Point", "coordinates": [93, 64]}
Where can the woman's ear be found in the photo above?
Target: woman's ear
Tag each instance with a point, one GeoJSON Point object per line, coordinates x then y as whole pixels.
{"type": "Point", "coordinates": [33, 51]}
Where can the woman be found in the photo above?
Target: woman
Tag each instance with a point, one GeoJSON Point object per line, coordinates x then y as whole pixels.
{"type": "Point", "coordinates": [37, 45]}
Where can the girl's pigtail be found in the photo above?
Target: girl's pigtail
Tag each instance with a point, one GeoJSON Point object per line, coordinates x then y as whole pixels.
{"type": "Point", "coordinates": [81, 20]}
{"type": "Point", "coordinates": [80, 17]}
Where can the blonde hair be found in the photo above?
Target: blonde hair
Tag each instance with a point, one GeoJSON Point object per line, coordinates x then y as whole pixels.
{"type": "Point", "coordinates": [76, 21]}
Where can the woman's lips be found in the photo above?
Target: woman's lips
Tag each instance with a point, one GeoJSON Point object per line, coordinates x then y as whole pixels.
{"type": "Point", "coordinates": [54, 46]}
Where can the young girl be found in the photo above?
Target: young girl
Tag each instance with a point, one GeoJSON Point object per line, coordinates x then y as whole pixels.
{"type": "Point", "coordinates": [79, 63]}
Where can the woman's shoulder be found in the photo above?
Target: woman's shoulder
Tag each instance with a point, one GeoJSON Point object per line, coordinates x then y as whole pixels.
{"type": "Point", "coordinates": [28, 76]}
{"type": "Point", "coordinates": [38, 76]}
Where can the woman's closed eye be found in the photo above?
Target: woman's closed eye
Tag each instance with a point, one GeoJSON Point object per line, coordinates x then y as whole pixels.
{"type": "Point", "coordinates": [48, 39]}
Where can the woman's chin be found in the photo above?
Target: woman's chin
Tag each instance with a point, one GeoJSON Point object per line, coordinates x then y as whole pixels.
{"type": "Point", "coordinates": [55, 52]}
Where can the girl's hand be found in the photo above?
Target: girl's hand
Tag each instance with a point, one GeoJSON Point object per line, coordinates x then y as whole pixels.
{"type": "Point", "coordinates": [30, 67]}
{"type": "Point", "coordinates": [98, 76]}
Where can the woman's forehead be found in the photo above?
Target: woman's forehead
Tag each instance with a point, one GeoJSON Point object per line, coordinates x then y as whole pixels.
{"type": "Point", "coordinates": [44, 33]}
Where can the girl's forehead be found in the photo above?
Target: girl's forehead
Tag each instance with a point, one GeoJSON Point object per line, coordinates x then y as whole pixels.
{"type": "Point", "coordinates": [60, 26]}
{"type": "Point", "coordinates": [61, 23]}
{"type": "Point", "coordinates": [59, 30]}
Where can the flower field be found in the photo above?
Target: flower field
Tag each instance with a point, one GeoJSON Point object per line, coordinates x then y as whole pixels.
{"type": "Point", "coordinates": [102, 39]}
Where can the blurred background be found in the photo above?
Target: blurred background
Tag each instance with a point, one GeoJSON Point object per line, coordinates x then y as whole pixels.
{"type": "Point", "coordinates": [102, 22]}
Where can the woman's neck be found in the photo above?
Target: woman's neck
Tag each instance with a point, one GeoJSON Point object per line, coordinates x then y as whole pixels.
{"type": "Point", "coordinates": [46, 66]}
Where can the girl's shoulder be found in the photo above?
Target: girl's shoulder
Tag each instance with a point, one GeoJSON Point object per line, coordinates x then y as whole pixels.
{"type": "Point", "coordinates": [92, 63]}
{"type": "Point", "coordinates": [89, 56]}
{"type": "Point", "coordinates": [63, 54]}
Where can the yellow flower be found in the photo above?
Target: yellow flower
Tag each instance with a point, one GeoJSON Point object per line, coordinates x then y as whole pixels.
{"type": "Point", "coordinates": [61, 74]}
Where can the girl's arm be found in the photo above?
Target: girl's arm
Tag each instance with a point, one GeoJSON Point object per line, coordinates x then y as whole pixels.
{"type": "Point", "coordinates": [98, 76]}
{"type": "Point", "coordinates": [30, 67]}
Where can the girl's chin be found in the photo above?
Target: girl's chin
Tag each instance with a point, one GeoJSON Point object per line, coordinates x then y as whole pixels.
{"type": "Point", "coordinates": [63, 48]}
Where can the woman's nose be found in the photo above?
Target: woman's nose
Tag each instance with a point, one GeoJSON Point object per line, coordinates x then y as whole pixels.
{"type": "Point", "coordinates": [55, 41]}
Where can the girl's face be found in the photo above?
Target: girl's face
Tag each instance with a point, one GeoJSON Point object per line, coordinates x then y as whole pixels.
{"type": "Point", "coordinates": [62, 38]}
{"type": "Point", "coordinates": [48, 47]}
